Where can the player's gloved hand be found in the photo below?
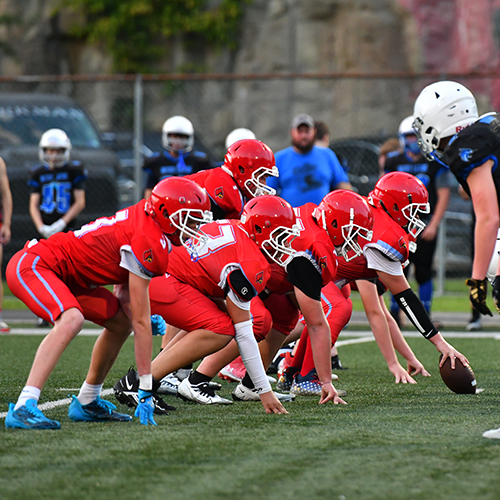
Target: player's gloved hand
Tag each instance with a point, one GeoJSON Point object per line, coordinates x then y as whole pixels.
{"type": "Point", "coordinates": [158, 325]}
{"type": "Point", "coordinates": [45, 231]}
{"type": "Point", "coordinates": [145, 408]}
{"type": "Point", "coordinates": [478, 294]}
{"type": "Point", "coordinates": [57, 226]}
{"type": "Point", "coordinates": [496, 293]}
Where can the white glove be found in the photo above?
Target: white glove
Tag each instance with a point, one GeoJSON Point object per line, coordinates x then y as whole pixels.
{"type": "Point", "coordinates": [57, 227]}
{"type": "Point", "coordinates": [45, 231]}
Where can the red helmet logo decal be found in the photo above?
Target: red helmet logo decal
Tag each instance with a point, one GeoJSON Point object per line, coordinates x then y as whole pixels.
{"type": "Point", "coordinates": [219, 192]}
{"type": "Point", "coordinates": [323, 263]}
{"type": "Point", "coordinates": [147, 256]}
{"type": "Point", "coordinates": [402, 242]}
{"type": "Point", "coordinates": [259, 278]}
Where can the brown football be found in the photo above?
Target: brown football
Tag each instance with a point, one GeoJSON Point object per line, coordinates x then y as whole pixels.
{"type": "Point", "coordinates": [461, 380]}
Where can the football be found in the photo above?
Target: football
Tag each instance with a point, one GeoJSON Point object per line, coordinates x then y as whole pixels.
{"type": "Point", "coordinates": [461, 380]}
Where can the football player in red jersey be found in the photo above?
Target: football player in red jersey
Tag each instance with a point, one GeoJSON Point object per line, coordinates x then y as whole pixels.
{"type": "Point", "coordinates": [397, 199]}
{"type": "Point", "coordinates": [300, 287]}
{"type": "Point", "coordinates": [247, 165]}
{"type": "Point", "coordinates": [232, 264]}
{"type": "Point", "coordinates": [62, 280]}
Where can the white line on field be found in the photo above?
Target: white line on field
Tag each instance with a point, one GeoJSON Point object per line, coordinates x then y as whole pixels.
{"type": "Point", "coordinates": [60, 402]}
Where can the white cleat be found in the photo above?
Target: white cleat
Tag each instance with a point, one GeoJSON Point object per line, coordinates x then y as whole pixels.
{"type": "Point", "coordinates": [169, 385]}
{"type": "Point", "coordinates": [243, 393]}
{"type": "Point", "coordinates": [493, 434]}
{"type": "Point", "coordinates": [202, 394]}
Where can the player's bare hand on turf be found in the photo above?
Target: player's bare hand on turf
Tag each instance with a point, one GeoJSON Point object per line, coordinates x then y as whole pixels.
{"type": "Point", "coordinates": [401, 375]}
{"type": "Point", "coordinates": [417, 368]}
{"type": "Point", "coordinates": [271, 403]}
{"type": "Point", "coordinates": [329, 393]}
{"type": "Point", "coordinates": [448, 351]}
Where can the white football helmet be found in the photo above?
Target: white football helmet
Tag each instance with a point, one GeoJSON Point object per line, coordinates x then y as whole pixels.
{"type": "Point", "coordinates": [178, 125]}
{"type": "Point", "coordinates": [54, 138]}
{"type": "Point", "coordinates": [407, 136]}
{"type": "Point", "coordinates": [442, 110]}
{"type": "Point", "coordinates": [238, 134]}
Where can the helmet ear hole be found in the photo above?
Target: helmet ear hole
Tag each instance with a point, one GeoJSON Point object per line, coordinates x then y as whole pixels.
{"type": "Point", "coordinates": [258, 229]}
{"type": "Point", "coordinates": [241, 169]}
{"type": "Point", "coordinates": [395, 207]}
{"type": "Point", "coordinates": [335, 223]}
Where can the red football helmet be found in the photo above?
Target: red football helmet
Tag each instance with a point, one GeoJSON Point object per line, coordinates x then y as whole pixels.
{"type": "Point", "coordinates": [249, 162]}
{"type": "Point", "coordinates": [402, 196]}
{"type": "Point", "coordinates": [345, 215]}
{"type": "Point", "coordinates": [179, 206]}
{"type": "Point", "coordinates": [270, 221]}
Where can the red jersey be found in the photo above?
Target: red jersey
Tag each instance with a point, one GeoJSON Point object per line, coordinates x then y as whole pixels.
{"type": "Point", "coordinates": [102, 252]}
{"type": "Point", "coordinates": [312, 243]}
{"type": "Point", "coordinates": [228, 248]}
{"type": "Point", "coordinates": [222, 190]}
{"type": "Point", "coordinates": [389, 238]}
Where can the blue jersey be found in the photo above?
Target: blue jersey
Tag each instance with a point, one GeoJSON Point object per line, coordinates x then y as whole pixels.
{"type": "Point", "coordinates": [307, 177]}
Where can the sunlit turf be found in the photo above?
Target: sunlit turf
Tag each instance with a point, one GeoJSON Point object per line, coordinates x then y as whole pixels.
{"type": "Point", "coordinates": [390, 442]}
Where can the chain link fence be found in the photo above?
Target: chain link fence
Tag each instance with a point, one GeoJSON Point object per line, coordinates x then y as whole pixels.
{"type": "Point", "coordinates": [115, 121]}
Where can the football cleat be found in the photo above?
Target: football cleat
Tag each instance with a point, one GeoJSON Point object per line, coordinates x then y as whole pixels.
{"type": "Point", "coordinates": [29, 416]}
{"type": "Point", "coordinates": [286, 378]}
{"type": "Point", "coordinates": [309, 385]}
{"type": "Point", "coordinates": [493, 434]}
{"type": "Point", "coordinates": [4, 327]}
{"type": "Point", "coordinates": [169, 385]}
{"type": "Point", "coordinates": [126, 392]}
{"type": "Point", "coordinates": [183, 373]}
{"type": "Point", "coordinates": [243, 393]}
{"type": "Point", "coordinates": [234, 371]}
{"type": "Point", "coordinates": [202, 394]}
{"type": "Point", "coordinates": [98, 410]}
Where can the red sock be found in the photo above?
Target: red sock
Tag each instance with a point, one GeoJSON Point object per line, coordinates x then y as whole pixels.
{"type": "Point", "coordinates": [301, 349]}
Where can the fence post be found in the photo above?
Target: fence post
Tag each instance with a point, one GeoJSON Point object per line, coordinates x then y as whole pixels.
{"type": "Point", "coordinates": [441, 258]}
{"type": "Point", "coordinates": [138, 136]}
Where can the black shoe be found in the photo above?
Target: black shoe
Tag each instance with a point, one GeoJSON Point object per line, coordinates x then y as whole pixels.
{"type": "Point", "coordinates": [126, 392]}
{"type": "Point", "coordinates": [41, 323]}
{"type": "Point", "coordinates": [336, 364]}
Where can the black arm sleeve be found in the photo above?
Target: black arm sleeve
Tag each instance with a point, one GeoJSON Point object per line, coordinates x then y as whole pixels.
{"type": "Point", "coordinates": [416, 313]}
{"type": "Point", "coordinates": [217, 211]}
{"type": "Point", "coordinates": [303, 275]}
{"type": "Point", "coordinates": [238, 283]}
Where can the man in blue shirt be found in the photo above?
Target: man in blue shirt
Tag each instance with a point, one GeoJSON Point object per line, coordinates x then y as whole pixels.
{"type": "Point", "coordinates": [307, 172]}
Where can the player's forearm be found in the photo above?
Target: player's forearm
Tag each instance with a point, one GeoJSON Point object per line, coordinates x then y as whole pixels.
{"type": "Point", "coordinates": [321, 343]}
{"type": "Point", "coordinates": [143, 345]}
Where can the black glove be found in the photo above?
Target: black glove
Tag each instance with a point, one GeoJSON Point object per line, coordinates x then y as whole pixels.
{"type": "Point", "coordinates": [478, 294]}
{"type": "Point", "coordinates": [496, 293]}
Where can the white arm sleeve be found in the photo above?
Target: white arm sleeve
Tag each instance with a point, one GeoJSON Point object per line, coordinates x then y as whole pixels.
{"type": "Point", "coordinates": [379, 262]}
{"type": "Point", "coordinates": [250, 355]}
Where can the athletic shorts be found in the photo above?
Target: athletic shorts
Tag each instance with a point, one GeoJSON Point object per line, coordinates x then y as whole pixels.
{"type": "Point", "coordinates": [32, 281]}
{"type": "Point", "coordinates": [185, 307]}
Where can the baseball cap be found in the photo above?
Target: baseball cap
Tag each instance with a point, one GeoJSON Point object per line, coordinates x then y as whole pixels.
{"type": "Point", "coordinates": [303, 119]}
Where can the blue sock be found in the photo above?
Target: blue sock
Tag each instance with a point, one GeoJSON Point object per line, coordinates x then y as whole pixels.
{"type": "Point", "coordinates": [425, 292]}
{"type": "Point", "coordinates": [394, 307]}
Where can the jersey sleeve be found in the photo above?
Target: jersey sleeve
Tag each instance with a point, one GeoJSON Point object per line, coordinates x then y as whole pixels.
{"type": "Point", "coordinates": [79, 176]}
{"type": "Point", "coordinates": [323, 258]}
{"type": "Point", "coordinates": [224, 193]}
{"type": "Point", "coordinates": [148, 257]}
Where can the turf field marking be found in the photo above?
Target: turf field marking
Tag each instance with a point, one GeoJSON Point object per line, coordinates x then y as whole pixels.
{"type": "Point", "coordinates": [60, 402]}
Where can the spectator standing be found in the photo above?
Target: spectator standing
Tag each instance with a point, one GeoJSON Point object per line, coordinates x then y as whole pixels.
{"type": "Point", "coordinates": [178, 157]}
{"type": "Point", "coordinates": [322, 135]}
{"type": "Point", "coordinates": [5, 221]}
{"type": "Point", "coordinates": [307, 172]}
{"type": "Point", "coordinates": [436, 177]}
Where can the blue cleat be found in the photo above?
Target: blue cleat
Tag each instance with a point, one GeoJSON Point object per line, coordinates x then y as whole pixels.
{"type": "Point", "coordinates": [29, 416]}
{"type": "Point", "coordinates": [97, 411]}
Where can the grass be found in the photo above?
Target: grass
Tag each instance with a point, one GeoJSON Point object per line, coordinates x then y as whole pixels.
{"type": "Point", "coordinates": [390, 442]}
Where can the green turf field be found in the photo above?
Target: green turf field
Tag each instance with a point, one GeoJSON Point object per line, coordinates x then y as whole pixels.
{"type": "Point", "coordinates": [390, 442]}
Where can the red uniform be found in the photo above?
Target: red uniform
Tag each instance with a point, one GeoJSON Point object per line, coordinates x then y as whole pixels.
{"type": "Point", "coordinates": [64, 271]}
{"type": "Point", "coordinates": [388, 237]}
{"type": "Point", "coordinates": [222, 190]}
{"type": "Point", "coordinates": [181, 297]}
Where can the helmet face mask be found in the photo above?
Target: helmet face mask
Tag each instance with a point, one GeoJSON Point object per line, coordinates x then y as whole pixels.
{"type": "Point", "coordinates": [249, 162]}
{"type": "Point", "coordinates": [345, 216]}
{"type": "Point", "coordinates": [54, 148]}
{"type": "Point", "coordinates": [442, 110]}
{"type": "Point", "coordinates": [178, 135]}
{"type": "Point", "coordinates": [179, 206]}
{"type": "Point", "coordinates": [408, 139]}
{"type": "Point", "coordinates": [270, 221]}
{"type": "Point", "coordinates": [403, 197]}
